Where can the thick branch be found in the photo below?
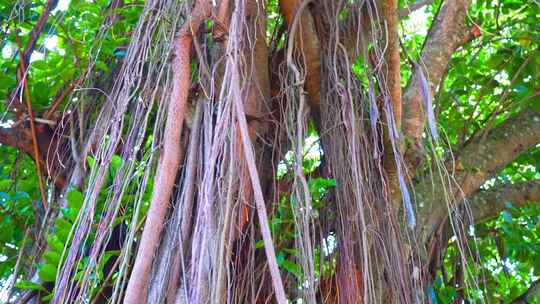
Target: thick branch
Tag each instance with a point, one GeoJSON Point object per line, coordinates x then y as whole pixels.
{"type": "Point", "coordinates": [483, 205]}
{"type": "Point", "coordinates": [487, 204]}
{"type": "Point", "coordinates": [256, 105]}
{"type": "Point", "coordinates": [484, 157]}
{"type": "Point", "coordinates": [392, 74]}
{"type": "Point", "coordinates": [477, 162]}
{"type": "Point", "coordinates": [448, 32]}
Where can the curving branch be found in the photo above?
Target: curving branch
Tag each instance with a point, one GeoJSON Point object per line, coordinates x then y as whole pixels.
{"type": "Point", "coordinates": [477, 162]}
{"type": "Point", "coordinates": [37, 29]}
{"type": "Point", "coordinates": [485, 156]}
{"type": "Point", "coordinates": [487, 204]}
{"type": "Point", "coordinates": [448, 32]}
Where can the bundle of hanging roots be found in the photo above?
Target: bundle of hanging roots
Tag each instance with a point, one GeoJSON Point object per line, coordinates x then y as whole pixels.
{"type": "Point", "coordinates": [226, 96]}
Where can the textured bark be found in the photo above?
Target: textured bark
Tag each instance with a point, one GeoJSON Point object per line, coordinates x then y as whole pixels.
{"type": "Point", "coordinates": [136, 291]}
{"type": "Point", "coordinates": [477, 162]}
{"type": "Point", "coordinates": [448, 32]}
{"type": "Point", "coordinates": [256, 105]}
{"type": "Point", "coordinates": [484, 157]}
{"type": "Point", "coordinates": [487, 204]}
{"type": "Point", "coordinates": [391, 72]}
{"type": "Point", "coordinates": [392, 59]}
{"type": "Point", "coordinates": [261, 206]}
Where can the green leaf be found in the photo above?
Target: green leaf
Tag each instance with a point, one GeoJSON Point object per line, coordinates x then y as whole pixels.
{"type": "Point", "coordinates": [61, 223]}
{"type": "Point", "coordinates": [24, 284]}
{"type": "Point", "coordinates": [47, 273]}
{"type": "Point", "coordinates": [40, 65]}
{"type": "Point", "coordinates": [116, 163]}
{"type": "Point", "coordinates": [52, 257]}
{"type": "Point", "coordinates": [63, 235]}
{"type": "Point", "coordinates": [91, 161]}
{"type": "Point", "coordinates": [291, 267]}
{"type": "Point", "coordinates": [55, 244]}
{"type": "Point", "coordinates": [5, 184]}
{"type": "Point", "coordinates": [75, 200]}
{"type": "Point", "coordinates": [280, 257]}
{"type": "Point", "coordinates": [48, 297]}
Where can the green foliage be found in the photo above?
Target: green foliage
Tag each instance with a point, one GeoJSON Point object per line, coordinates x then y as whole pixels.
{"type": "Point", "coordinates": [17, 192]}
{"type": "Point", "coordinates": [66, 47]}
{"type": "Point", "coordinates": [282, 222]}
{"type": "Point", "coordinates": [59, 239]}
{"type": "Point", "coordinates": [488, 80]}
{"type": "Point", "coordinates": [508, 249]}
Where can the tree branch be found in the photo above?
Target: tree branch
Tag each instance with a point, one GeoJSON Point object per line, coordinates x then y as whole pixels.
{"type": "Point", "coordinates": [477, 162]}
{"type": "Point", "coordinates": [37, 154]}
{"type": "Point", "coordinates": [484, 157]}
{"type": "Point", "coordinates": [486, 204]}
{"type": "Point", "coordinates": [404, 12]}
{"type": "Point", "coordinates": [447, 33]}
{"type": "Point", "coordinates": [36, 31]}
{"type": "Point", "coordinates": [392, 58]}
{"type": "Point", "coordinates": [48, 114]}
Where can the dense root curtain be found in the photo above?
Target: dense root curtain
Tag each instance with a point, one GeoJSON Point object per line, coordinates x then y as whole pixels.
{"type": "Point", "coordinates": [224, 121]}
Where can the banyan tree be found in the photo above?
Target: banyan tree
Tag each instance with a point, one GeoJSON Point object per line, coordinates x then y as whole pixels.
{"type": "Point", "coordinates": [280, 151]}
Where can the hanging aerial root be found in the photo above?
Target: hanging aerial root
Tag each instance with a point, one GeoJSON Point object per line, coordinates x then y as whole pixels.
{"type": "Point", "coordinates": [307, 48]}
{"type": "Point", "coordinates": [240, 110]}
{"type": "Point", "coordinates": [136, 291]}
{"type": "Point", "coordinates": [261, 206]}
